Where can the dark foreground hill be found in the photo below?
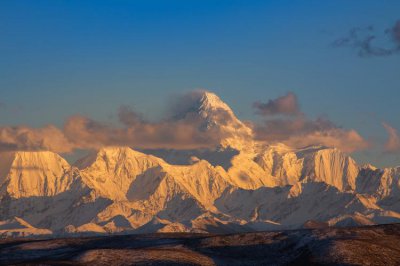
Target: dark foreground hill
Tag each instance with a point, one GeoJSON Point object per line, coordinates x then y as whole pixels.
{"type": "Point", "coordinates": [370, 245]}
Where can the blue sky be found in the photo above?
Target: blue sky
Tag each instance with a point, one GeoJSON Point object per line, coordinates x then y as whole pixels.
{"type": "Point", "coordinates": [60, 58]}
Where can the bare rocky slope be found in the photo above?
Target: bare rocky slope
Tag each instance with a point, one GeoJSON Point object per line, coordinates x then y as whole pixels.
{"type": "Point", "coordinates": [367, 245]}
{"type": "Point", "coordinates": [240, 186]}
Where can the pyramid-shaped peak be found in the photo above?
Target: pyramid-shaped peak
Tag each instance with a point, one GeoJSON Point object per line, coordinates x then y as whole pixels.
{"type": "Point", "coordinates": [200, 102]}
{"type": "Point", "coordinates": [31, 161]}
{"type": "Point", "coordinates": [209, 100]}
{"type": "Point", "coordinates": [42, 159]}
{"type": "Point", "coordinates": [213, 113]}
{"type": "Point", "coordinates": [34, 173]}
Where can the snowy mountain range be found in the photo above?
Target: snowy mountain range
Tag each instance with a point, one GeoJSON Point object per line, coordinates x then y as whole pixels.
{"type": "Point", "coordinates": [241, 185]}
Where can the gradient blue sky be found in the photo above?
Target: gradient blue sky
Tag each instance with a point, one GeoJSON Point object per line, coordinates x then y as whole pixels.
{"type": "Point", "coordinates": [59, 58]}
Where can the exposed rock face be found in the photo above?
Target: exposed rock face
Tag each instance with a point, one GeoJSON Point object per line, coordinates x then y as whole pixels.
{"type": "Point", "coordinates": [242, 185]}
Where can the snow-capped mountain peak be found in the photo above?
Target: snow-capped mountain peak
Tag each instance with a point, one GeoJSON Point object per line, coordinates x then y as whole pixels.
{"type": "Point", "coordinates": [217, 115]}
{"type": "Point", "coordinates": [210, 102]}
{"type": "Point", "coordinates": [34, 173]}
{"type": "Point", "coordinates": [249, 186]}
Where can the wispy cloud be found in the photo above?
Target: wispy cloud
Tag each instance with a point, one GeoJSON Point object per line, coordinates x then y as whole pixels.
{"type": "Point", "coordinates": [393, 142]}
{"type": "Point", "coordinates": [180, 134]}
{"type": "Point", "coordinates": [298, 130]}
{"type": "Point", "coordinates": [28, 138]}
{"type": "Point", "coordinates": [369, 42]}
{"type": "Point", "coordinates": [184, 127]}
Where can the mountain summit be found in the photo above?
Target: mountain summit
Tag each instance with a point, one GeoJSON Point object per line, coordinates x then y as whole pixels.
{"type": "Point", "coordinates": [217, 115]}
{"type": "Point", "coordinates": [40, 173]}
{"type": "Point", "coordinates": [243, 185]}
{"type": "Point", "coordinates": [210, 102]}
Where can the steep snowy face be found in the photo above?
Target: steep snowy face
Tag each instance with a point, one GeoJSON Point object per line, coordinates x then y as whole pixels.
{"type": "Point", "coordinates": [210, 103]}
{"type": "Point", "coordinates": [240, 185]}
{"type": "Point", "coordinates": [281, 162]}
{"type": "Point", "coordinates": [201, 180]}
{"type": "Point", "coordinates": [167, 198]}
{"type": "Point", "coordinates": [121, 189]}
{"type": "Point", "coordinates": [390, 183]}
{"type": "Point", "coordinates": [247, 174]}
{"type": "Point", "coordinates": [382, 184]}
{"type": "Point", "coordinates": [311, 164]}
{"type": "Point", "coordinates": [217, 115]}
{"type": "Point", "coordinates": [292, 207]}
{"type": "Point", "coordinates": [173, 189]}
{"type": "Point", "coordinates": [111, 170]}
{"type": "Point", "coordinates": [173, 192]}
{"type": "Point", "coordinates": [39, 173]}
{"type": "Point", "coordinates": [330, 166]}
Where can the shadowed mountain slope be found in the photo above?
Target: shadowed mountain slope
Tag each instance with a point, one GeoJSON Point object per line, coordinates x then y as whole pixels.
{"type": "Point", "coordinates": [241, 185]}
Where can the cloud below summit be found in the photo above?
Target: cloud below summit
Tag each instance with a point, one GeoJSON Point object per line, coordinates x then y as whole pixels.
{"type": "Point", "coordinates": [295, 129]}
{"type": "Point", "coordinates": [182, 134]}
{"type": "Point", "coordinates": [182, 128]}
{"type": "Point", "coordinates": [186, 127]}
{"type": "Point", "coordinates": [28, 138]}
